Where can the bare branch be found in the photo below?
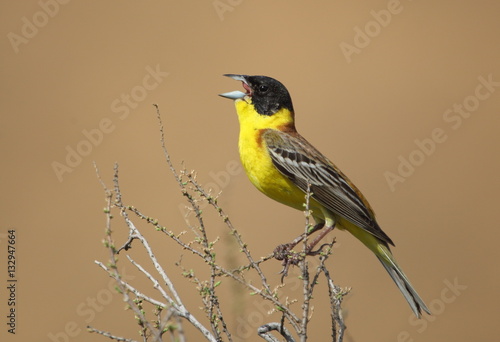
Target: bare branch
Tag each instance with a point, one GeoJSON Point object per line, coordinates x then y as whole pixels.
{"type": "Point", "coordinates": [109, 335]}
{"type": "Point", "coordinates": [169, 310]}
{"type": "Point", "coordinates": [336, 295]}
{"type": "Point", "coordinates": [264, 332]}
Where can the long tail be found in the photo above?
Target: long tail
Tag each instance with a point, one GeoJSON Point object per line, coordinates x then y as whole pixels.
{"type": "Point", "coordinates": [401, 280]}
{"type": "Point", "coordinates": [383, 253]}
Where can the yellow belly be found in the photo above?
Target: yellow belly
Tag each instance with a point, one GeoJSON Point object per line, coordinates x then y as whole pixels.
{"type": "Point", "coordinates": [257, 161]}
{"type": "Point", "coordinates": [262, 173]}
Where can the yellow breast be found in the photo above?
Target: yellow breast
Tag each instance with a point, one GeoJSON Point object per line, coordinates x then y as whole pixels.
{"type": "Point", "coordinates": [256, 159]}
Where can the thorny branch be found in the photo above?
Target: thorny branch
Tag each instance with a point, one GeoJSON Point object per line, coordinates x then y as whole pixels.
{"type": "Point", "coordinates": [170, 312]}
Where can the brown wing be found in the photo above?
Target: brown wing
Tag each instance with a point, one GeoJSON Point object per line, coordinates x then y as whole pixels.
{"type": "Point", "coordinates": [300, 162]}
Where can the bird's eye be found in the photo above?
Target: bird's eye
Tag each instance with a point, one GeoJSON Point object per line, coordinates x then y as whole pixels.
{"type": "Point", "coordinates": [263, 88]}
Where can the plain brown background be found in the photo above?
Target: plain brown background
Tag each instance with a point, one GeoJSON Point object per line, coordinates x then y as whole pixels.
{"type": "Point", "coordinates": [364, 113]}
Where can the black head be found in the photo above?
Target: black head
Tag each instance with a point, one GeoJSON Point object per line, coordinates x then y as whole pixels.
{"type": "Point", "coordinates": [268, 95]}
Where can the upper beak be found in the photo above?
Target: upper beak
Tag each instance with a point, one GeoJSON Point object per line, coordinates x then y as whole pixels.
{"type": "Point", "coordinates": [234, 95]}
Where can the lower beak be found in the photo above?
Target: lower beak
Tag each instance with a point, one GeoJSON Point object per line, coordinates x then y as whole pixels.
{"type": "Point", "coordinates": [234, 95]}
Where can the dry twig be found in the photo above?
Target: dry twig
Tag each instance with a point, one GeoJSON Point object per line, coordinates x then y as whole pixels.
{"type": "Point", "coordinates": [170, 311]}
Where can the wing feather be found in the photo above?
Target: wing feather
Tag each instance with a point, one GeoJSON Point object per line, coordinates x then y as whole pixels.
{"type": "Point", "coordinates": [300, 162]}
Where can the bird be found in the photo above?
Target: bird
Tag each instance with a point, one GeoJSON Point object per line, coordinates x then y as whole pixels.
{"type": "Point", "coordinates": [283, 165]}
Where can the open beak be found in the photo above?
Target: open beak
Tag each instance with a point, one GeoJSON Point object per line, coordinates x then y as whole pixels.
{"type": "Point", "coordinates": [234, 95]}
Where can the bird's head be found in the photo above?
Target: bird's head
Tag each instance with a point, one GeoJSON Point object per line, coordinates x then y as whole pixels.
{"type": "Point", "coordinates": [267, 95]}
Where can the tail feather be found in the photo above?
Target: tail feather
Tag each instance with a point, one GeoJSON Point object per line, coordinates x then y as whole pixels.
{"type": "Point", "coordinates": [401, 280]}
{"type": "Point", "coordinates": [381, 250]}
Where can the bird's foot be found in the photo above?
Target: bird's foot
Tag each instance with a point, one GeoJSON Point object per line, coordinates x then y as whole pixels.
{"type": "Point", "coordinates": [309, 250]}
{"type": "Point", "coordinates": [288, 257]}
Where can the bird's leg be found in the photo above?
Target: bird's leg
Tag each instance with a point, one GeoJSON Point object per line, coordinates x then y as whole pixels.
{"type": "Point", "coordinates": [301, 237]}
{"type": "Point", "coordinates": [284, 251]}
{"type": "Point", "coordinates": [317, 239]}
{"type": "Point", "coordinates": [281, 251]}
